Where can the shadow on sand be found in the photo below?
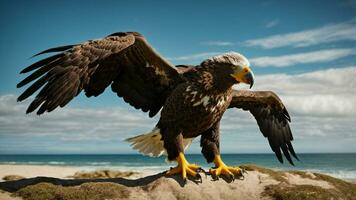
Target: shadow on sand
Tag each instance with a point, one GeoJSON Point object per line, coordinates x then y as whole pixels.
{"type": "Point", "coordinates": [13, 186]}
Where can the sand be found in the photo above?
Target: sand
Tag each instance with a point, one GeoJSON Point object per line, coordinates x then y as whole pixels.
{"type": "Point", "coordinates": [258, 183]}
{"type": "Point", "coordinates": [29, 171]}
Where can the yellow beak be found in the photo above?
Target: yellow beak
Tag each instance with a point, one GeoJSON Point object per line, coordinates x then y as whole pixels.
{"type": "Point", "coordinates": [244, 76]}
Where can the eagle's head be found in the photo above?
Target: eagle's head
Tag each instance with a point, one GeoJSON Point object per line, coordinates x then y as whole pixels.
{"type": "Point", "coordinates": [231, 67]}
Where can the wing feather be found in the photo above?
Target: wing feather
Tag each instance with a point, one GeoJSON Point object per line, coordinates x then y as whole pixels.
{"type": "Point", "coordinates": [40, 63]}
{"type": "Point", "coordinates": [55, 49]}
{"type": "Point", "coordinates": [124, 60]}
{"type": "Point", "coordinates": [272, 118]}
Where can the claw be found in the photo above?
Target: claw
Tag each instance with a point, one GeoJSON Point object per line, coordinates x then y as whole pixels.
{"type": "Point", "coordinates": [222, 169]}
{"type": "Point", "coordinates": [232, 177]}
{"type": "Point", "coordinates": [243, 171]}
{"type": "Point", "coordinates": [202, 170]}
{"type": "Point", "coordinates": [184, 168]}
{"type": "Point", "coordinates": [199, 178]}
{"type": "Point", "coordinates": [185, 181]}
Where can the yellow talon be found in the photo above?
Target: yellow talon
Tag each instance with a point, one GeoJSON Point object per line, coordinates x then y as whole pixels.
{"type": "Point", "coordinates": [221, 168]}
{"type": "Point", "coordinates": [184, 167]}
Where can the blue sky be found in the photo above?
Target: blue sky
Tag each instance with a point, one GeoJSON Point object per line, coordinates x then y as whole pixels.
{"type": "Point", "coordinates": [304, 50]}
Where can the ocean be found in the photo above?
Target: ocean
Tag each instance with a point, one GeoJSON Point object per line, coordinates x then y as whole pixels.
{"type": "Point", "coordinates": [340, 165]}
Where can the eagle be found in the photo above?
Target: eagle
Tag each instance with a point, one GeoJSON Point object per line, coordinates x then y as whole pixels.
{"type": "Point", "coordinates": [191, 99]}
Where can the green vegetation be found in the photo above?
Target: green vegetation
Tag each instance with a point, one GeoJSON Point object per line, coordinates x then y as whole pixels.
{"type": "Point", "coordinates": [102, 174]}
{"type": "Point", "coordinates": [284, 191]}
{"type": "Point", "coordinates": [86, 191]}
{"type": "Point", "coordinates": [12, 177]}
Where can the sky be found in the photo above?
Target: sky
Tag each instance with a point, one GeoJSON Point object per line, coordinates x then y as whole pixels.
{"type": "Point", "coordinates": [305, 51]}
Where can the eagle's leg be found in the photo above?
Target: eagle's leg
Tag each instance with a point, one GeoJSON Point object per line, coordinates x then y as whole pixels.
{"type": "Point", "coordinates": [175, 150]}
{"type": "Point", "coordinates": [211, 151]}
{"type": "Point", "coordinates": [222, 169]}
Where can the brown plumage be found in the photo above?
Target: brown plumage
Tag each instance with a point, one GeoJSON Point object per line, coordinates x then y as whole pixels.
{"type": "Point", "coordinates": [123, 60]}
{"type": "Point", "coordinates": [193, 98]}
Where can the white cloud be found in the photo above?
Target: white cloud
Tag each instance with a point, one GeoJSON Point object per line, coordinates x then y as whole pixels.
{"type": "Point", "coordinates": [325, 34]}
{"type": "Point", "coordinates": [302, 58]}
{"type": "Point", "coordinates": [201, 56]}
{"type": "Point", "coordinates": [319, 56]}
{"type": "Point", "coordinates": [218, 43]}
{"type": "Point", "coordinates": [326, 93]}
{"type": "Point", "coordinates": [272, 23]}
{"type": "Point", "coordinates": [71, 123]}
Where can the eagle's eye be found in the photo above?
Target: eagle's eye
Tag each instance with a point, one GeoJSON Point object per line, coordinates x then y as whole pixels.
{"type": "Point", "coordinates": [238, 68]}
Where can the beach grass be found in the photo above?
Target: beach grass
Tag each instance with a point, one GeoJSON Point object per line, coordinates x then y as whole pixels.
{"type": "Point", "coordinates": [341, 189]}
{"type": "Point", "coordinates": [92, 191]}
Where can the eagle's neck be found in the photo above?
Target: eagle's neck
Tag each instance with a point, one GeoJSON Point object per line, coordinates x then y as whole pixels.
{"type": "Point", "coordinates": [213, 81]}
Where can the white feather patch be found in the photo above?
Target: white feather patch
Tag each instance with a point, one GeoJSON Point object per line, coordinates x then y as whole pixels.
{"type": "Point", "coordinates": [150, 143]}
{"type": "Point", "coordinates": [187, 89]}
{"type": "Point", "coordinates": [204, 101]}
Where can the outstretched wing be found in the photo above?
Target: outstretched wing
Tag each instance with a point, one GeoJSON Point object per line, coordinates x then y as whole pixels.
{"type": "Point", "coordinates": [123, 60]}
{"type": "Point", "coordinates": [272, 118]}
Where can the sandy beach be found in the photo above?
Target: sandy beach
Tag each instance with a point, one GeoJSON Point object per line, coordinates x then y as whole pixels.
{"type": "Point", "coordinates": [56, 182]}
{"type": "Point", "coordinates": [29, 171]}
{"type": "Point", "coordinates": [63, 172]}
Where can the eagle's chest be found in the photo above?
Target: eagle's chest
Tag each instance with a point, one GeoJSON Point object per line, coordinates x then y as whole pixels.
{"type": "Point", "coordinates": [205, 109]}
{"type": "Point", "coordinates": [207, 103]}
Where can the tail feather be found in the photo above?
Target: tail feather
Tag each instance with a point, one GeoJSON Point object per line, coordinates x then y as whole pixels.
{"type": "Point", "coordinates": [141, 145]}
{"type": "Point", "coordinates": [151, 144]}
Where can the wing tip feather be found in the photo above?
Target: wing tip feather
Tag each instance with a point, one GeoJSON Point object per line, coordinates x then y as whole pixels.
{"type": "Point", "coordinates": [54, 49]}
{"type": "Point", "coordinates": [286, 114]}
